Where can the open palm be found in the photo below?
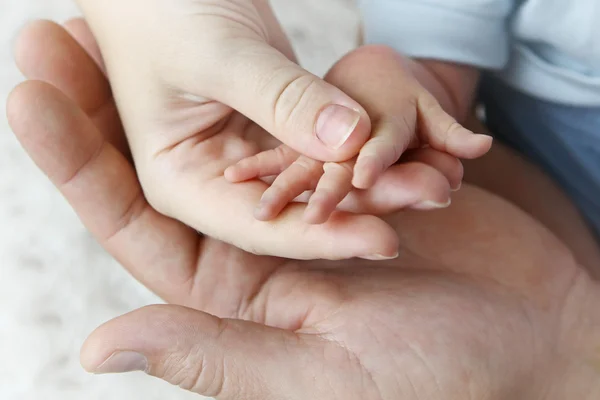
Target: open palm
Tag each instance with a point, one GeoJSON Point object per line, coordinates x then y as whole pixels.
{"type": "Point", "coordinates": [443, 321]}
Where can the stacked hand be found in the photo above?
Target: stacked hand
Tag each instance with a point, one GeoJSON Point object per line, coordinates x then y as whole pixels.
{"type": "Point", "coordinates": [482, 303]}
{"type": "Point", "coordinates": [405, 117]}
{"type": "Point", "coordinates": [200, 93]}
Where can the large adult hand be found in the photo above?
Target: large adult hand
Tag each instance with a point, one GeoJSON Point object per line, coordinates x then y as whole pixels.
{"type": "Point", "coordinates": [482, 303]}
{"type": "Point", "coordinates": [180, 68]}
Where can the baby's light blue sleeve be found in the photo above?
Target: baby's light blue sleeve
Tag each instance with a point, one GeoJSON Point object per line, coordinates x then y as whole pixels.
{"type": "Point", "coordinates": [473, 32]}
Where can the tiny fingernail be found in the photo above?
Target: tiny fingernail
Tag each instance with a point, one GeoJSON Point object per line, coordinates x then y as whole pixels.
{"type": "Point", "coordinates": [335, 125]}
{"type": "Point", "coordinates": [123, 361]}
{"type": "Point", "coordinates": [432, 205]}
{"type": "Point", "coordinates": [380, 257]}
{"type": "Point", "coordinates": [457, 188]}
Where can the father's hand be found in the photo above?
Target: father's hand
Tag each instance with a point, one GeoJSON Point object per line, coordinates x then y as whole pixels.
{"type": "Point", "coordinates": [462, 319]}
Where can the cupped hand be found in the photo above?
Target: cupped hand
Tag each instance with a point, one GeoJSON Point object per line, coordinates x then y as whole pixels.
{"type": "Point", "coordinates": [219, 209]}
{"type": "Point", "coordinates": [196, 96]}
{"type": "Point", "coordinates": [201, 93]}
{"type": "Point", "coordinates": [482, 302]}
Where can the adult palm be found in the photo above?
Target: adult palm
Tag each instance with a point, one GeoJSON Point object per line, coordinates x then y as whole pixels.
{"type": "Point", "coordinates": [474, 307]}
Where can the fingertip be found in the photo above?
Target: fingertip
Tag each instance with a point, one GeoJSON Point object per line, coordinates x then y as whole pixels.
{"type": "Point", "coordinates": [270, 205]}
{"type": "Point", "coordinates": [313, 216]}
{"type": "Point", "coordinates": [22, 101]}
{"type": "Point", "coordinates": [236, 174]}
{"type": "Point", "coordinates": [241, 171]}
{"type": "Point", "coordinates": [466, 144]}
{"type": "Point", "coordinates": [380, 257]}
{"type": "Point", "coordinates": [357, 235]}
{"type": "Point", "coordinates": [264, 213]}
{"type": "Point", "coordinates": [456, 187]}
{"type": "Point", "coordinates": [317, 212]}
{"type": "Point", "coordinates": [454, 174]}
{"type": "Point", "coordinates": [485, 141]}
{"type": "Point", "coordinates": [89, 356]}
{"type": "Point", "coordinates": [366, 173]}
{"type": "Point", "coordinates": [384, 245]}
{"type": "Point", "coordinates": [230, 174]}
{"type": "Point", "coordinates": [479, 146]}
{"type": "Point", "coordinates": [14, 100]}
{"type": "Point", "coordinates": [430, 205]}
{"type": "Point", "coordinates": [23, 47]}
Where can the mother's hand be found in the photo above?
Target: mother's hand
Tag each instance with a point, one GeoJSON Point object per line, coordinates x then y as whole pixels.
{"type": "Point", "coordinates": [201, 92]}
{"type": "Point", "coordinates": [482, 303]}
{"type": "Point", "coordinates": [199, 190]}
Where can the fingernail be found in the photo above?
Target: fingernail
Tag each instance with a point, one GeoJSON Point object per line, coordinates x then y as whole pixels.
{"type": "Point", "coordinates": [123, 361]}
{"type": "Point", "coordinates": [380, 257]}
{"type": "Point", "coordinates": [335, 125]}
{"type": "Point", "coordinates": [457, 188]}
{"type": "Point", "coordinates": [432, 205]}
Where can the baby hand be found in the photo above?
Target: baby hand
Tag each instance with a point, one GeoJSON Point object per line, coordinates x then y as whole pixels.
{"type": "Point", "coordinates": [422, 181]}
{"type": "Point", "coordinates": [414, 119]}
{"type": "Point", "coordinates": [295, 174]}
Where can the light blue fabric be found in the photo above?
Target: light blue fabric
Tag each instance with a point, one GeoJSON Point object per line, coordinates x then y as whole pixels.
{"type": "Point", "coordinates": [549, 49]}
{"type": "Point", "coordinates": [564, 140]}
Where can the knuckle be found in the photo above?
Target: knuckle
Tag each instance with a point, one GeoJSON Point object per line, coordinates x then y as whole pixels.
{"type": "Point", "coordinates": [308, 165]}
{"type": "Point", "coordinates": [282, 155]}
{"type": "Point", "coordinates": [280, 190]}
{"type": "Point", "coordinates": [251, 162]}
{"type": "Point", "coordinates": [427, 103]}
{"type": "Point", "coordinates": [194, 372]}
{"type": "Point", "coordinates": [129, 215]}
{"type": "Point", "coordinates": [292, 96]}
{"type": "Point", "coordinates": [344, 169]}
{"type": "Point", "coordinates": [453, 126]}
{"type": "Point", "coordinates": [385, 150]}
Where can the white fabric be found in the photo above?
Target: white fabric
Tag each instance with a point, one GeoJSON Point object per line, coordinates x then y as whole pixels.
{"type": "Point", "coordinates": [549, 49]}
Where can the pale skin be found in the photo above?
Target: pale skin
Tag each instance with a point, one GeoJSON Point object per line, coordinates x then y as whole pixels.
{"type": "Point", "coordinates": [177, 94]}
{"type": "Point", "coordinates": [413, 119]}
{"type": "Point", "coordinates": [483, 301]}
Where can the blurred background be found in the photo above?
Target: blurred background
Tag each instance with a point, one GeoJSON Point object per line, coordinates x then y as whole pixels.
{"type": "Point", "coordinates": [56, 283]}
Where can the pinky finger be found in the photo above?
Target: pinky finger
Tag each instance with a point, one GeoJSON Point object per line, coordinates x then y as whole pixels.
{"type": "Point", "coordinates": [333, 187]}
{"type": "Point", "coordinates": [267, 163]}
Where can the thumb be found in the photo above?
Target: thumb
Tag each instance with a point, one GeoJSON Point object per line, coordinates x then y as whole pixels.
{"type": "Point", "coordinates": [226, 359]}
{"type": "Point", "coordinates": [303, 111]}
